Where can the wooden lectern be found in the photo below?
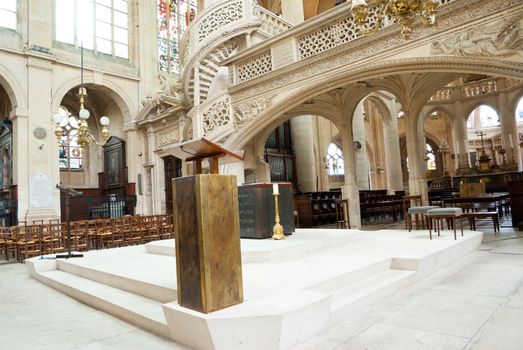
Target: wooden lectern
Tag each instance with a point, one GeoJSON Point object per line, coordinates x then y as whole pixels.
{"type": "Point", "coordinates": [207, 225]}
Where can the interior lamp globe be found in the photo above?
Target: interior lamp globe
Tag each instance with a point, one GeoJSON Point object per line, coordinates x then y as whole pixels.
{"type": "Point", "coordinates": [105, 121]}
{"type": "Point", "coordinates": [84, 114]}
{"type": "Point", "coordinates": [57, 118]}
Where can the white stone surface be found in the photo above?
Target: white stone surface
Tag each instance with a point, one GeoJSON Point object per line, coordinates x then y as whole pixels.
{"type": "Point", "coordinates": [293, 288]}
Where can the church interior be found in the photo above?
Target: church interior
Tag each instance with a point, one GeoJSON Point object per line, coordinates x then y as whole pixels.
{"type": "Point", "coordinates": [262, 174]}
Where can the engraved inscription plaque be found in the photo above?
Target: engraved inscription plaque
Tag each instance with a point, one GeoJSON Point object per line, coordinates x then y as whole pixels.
{"type": "Point", "coordinates": [40, 191]}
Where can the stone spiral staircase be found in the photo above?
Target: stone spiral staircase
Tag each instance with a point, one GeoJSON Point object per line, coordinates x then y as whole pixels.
{"type": "Point", "coordinates": [216, 34]}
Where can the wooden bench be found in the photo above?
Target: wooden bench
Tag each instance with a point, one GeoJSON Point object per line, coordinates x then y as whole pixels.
{"type": "Point", "coordinates": [494, 215]}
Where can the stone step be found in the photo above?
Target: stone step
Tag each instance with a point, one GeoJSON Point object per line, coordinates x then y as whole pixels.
{"type": "Point", "coordinates": [142, 312]}
{"type": "Point", "coordinates": [144, 289]}
{"type": "Point", "coordinates": [355, 297]}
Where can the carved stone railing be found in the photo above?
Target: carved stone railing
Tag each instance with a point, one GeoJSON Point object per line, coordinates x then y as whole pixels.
{"type": "Point", "coordinates": [214, 119]}
{"type": "Point", "coordinates": [474, 90]}
{"type": "Point", "coordinates": [211, 23]}
{"type": "Point", "coordinates": [315, 36]}
{"type": "Point", "coordinates": [271, 24]}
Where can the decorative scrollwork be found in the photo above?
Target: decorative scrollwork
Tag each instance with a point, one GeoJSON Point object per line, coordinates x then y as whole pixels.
{"type": "Point", "coordinates": [216, 116]}
{"type": "Point", "coordinates": [222, 16]}
{"type": "Point", "coordinates": [332, 36]}
{"type": "Point", "coordinates": [255, 67]}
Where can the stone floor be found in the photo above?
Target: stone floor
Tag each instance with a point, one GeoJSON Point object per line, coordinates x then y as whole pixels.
{"type": "Point", "coordinates": [475, 304]}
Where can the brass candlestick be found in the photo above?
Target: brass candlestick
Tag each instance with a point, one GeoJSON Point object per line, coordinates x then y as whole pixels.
{"type": "Point", "coordinates": [277, 230]}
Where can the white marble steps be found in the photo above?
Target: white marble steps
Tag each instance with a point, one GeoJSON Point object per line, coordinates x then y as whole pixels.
{"type": "Point", "coordinates": [354, 298]}
{"type": "Point", "coordinates": [145, 289]}
{"type": "Point", "coordinates": [137, 310]}
{"type": "Point", "coordinates": [355, 290]}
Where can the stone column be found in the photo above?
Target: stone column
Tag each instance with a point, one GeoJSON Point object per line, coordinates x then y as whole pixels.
{"type": "Point", "coordinates": [392, 150]}
{"type": "Point", "coordinates": [303, 146]}
{"type": "Point", "coordinates": [361, 160]}
{"type": "Point", "coordinates": [509, 130]}
{"type": "Point", "coordinates": [148, 189]}
{"type": "Point", "coordinates": [461, 142]}
{"type": "Point", "coordinates": [350, 189]}
{"type": "Point", "coordinates": [416, 154]}
{"type": "Point", "coordinates": [21, 159]}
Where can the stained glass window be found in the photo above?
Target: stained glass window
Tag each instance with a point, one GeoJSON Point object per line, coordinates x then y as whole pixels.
{"type": "Point", "coordinates": [173, 17]}
{"type": "Point", "coordinates": [335, 165]}
{"type": "Point", "coordinates": [99, 25]}
{"type": "Point", "coordinates": [69, 152]}
{"type": "Point", "coordinates": [8, 14]}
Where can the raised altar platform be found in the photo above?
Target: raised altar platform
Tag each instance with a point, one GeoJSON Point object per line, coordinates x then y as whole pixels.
{"type": "Point", "coordinates": [294, 289]}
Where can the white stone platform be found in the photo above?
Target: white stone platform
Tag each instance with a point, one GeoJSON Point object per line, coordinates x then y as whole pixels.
{"type": "Point", "coordinates": [293, 289]}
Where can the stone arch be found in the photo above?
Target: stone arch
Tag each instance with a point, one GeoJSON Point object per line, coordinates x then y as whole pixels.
{"type": "Point", "coordinates": [449, 115]}
{"type": "Point", "coordinates": [380, 105]}
{"type": "Point", "coordinates": [513, 103]}
{"type": "Point", "coordinates": [117, 94]}
{"type": "Point", "coordinates": [477, 104]}
{"type": "Point", "coordinates": [13, 89]}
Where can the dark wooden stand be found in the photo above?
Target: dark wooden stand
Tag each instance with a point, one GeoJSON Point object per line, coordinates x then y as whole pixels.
{"type": "Point", "coordinates": [257, 209]}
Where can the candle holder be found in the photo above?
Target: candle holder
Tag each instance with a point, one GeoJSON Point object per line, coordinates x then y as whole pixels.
{"type": "Point", "coordinates": [277, 230]}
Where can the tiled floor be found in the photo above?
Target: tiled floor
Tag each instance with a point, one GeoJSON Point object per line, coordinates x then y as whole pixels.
{"type": "Point", "coordinates": [475, 304]}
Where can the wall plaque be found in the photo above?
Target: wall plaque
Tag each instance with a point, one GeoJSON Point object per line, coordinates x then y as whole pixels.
{"type": "Point", "coordinates": [40, 191]}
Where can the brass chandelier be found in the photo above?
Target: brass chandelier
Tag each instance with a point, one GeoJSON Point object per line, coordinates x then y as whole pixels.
{"type": "Point", "coordinates": [68, 126]}
{"type": "Point", "coordinates": [402, 12]}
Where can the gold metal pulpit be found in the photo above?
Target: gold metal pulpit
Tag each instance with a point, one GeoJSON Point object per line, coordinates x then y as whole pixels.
{"type": "Point", "coordinates": [207, 225]}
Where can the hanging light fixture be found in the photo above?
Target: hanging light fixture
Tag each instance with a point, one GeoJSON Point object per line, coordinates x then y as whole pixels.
{"type": "Point", "coordinates": [402, 12]}
{"type": "Point", "coordinates": [68, 126]}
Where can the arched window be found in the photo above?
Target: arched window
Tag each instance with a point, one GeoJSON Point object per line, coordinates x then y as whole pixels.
{"type": "Point", "coordinates": [431, 158]}
{"type": "Point", "coordinates": [98, 25]}
{"type": "Point", "coordinates": [519, 111]}
{"type": "Point", "coordinates": [173, 18]}
{"type": "Point", "coordinates": [335, 165]}
{"type": "Point", "coordinates": [483, 117]}
{"type": "Point", "coordinates": [70, 154]}
{"type": "Point", "coordinates": [8, 14]}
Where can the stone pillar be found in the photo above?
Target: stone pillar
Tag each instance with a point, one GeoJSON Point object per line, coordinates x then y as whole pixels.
{"type": "Point", "coordinates": [361, 160]}
{"type": "Point", "coordinates": [303, 146]}
{"type": "Point", "coordinates": [350, 189]}
{"type": "Point", "coordinates": [509, 131]}
{"type": "Point", "coordinates": [416, 154]}
{"type": "Point", "coordinates": [21, 159]}
{"type": "Point", "coordinates": [149, 171]}
{"type": "Point", "coordinates": [236, 168]}
{"type": "Point", "coordinates": [461, 142]}
{"type": "Point", "coordinates": [292, 11]}
{"type": "Point", "coordinates": [392, 150]}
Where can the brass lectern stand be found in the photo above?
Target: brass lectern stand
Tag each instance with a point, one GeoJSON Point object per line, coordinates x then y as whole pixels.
{"type": "Point", "coordinates": [206, 221]}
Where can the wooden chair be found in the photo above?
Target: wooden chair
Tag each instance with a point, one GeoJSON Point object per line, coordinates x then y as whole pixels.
{"type": "Point", "coordinates": [342, 213]}
{"type": "Point", "coordinates": [28, 242]}
{"type": "Point", "coordinates": [80, 235]}
{"type": "Point", "coordinates": [412, 206]}
{"type": "Point", "coordinates": [103, 233]}
{"type": "Point", "coordinates": [167, 227]}
{"type": "Point", "coordinates": [10, 245]}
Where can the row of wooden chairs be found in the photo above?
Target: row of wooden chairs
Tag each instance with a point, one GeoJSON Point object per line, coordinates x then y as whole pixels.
{"type": "Point", "coordinates": [23, 242]}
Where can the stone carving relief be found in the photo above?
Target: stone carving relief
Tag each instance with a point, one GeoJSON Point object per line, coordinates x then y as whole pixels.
{"type": "Point", "coordinates": [170, 88]}
{"type": "Point", "coordinates": [168, 137]}
{"type": "Point", "coordinates": [502, 38]}
{"type": "Point", "coordinates": [222, 16]}
{"type": "Point", "coordinates": [217, 115]}
{"type": "Point", "coordinates": [255, 67]}
{"type": "Point", "coordinates": [250, 110]}
{"type": "Point", "coordinates": [156, 103]}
